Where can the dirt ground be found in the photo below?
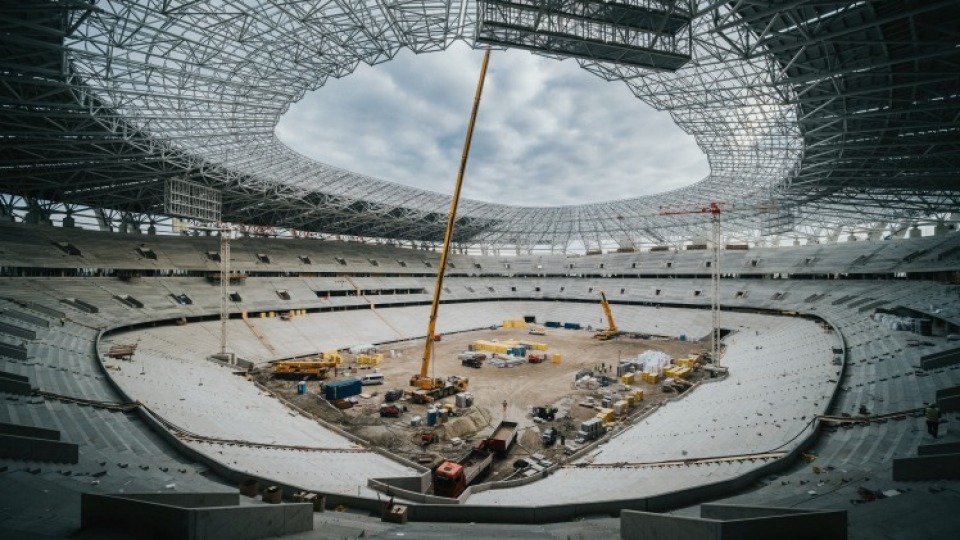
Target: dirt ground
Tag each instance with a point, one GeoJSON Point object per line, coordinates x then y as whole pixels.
{"type": "Point", "coordinates": [521, 387]}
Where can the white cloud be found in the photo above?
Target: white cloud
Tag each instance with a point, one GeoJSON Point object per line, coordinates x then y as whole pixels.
{"type": "Point", "coordinates": [548, 133]}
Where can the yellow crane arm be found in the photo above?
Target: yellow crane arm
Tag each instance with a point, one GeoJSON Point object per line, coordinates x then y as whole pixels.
{"type": "Point", "coordinates": [606, 309]}
{"type": "Point", "coordinates": [451, 219]}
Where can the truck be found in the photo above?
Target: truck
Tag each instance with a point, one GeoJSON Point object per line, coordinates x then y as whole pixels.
{"type": "Point", "coordinates": [451, 478]}
{"type": "Point", "coordinates": [502, 438]}
{"type": "Point", "coordinates": [472, 362]}
{"type": "Point", "coordinates": [590, 430]}
{"type": "Point", "coordinates": [389, 410]}
{"type": "Point", "coordinates": [549, 436]}
{"type": "Point", "coordinates": [544, 413]}
{"type": "Point", "coordinates": [472, 359]}
{"type": "Point", "coordinates": [342, 389]}
{"type": "Point", "coordinates": [453, 385]}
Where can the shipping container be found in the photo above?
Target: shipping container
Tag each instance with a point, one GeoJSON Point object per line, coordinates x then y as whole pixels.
{"type": "Point", "coordinates": [342, 389]}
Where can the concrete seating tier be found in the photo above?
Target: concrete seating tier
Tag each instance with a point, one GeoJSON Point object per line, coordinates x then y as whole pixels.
{"type": "Point", "coordinates": [34, 246]}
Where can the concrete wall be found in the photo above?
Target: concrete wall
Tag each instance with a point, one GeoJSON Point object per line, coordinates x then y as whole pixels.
{"type": "Point", "coordinates": [10, 386]}
{"type": "Point", "coordinates": [932, 467]}
{"type": "Point", "coordinates": [146, 513]}
{"type": "Point", "coordinates": [948, 399]}
{"type": "Point", "coordinates": [814, 526]}
{"type": "Point", "coordinates": [16, 352]}
{"type": "Point", "coordinates": [949, 404]}
{"type": "Point", "coordinates": [16, 331]}
{"type": "Point", "coordinates": [940, 359]}
{"type": "Point", "coordinates": [26, 317]}
{"type": "Point", "coordinates": [33, 449]}
{"type": "Point", "coordinates": [937, 449]}
{"type": "Point", "coordinates": [952, 391]}
{"type": "Point", "coordinates": [14, 376]}
{"type": "Point", "coordinates": [29, 431]}
{"type": "Point", "coordinates": [50, 312]}
{"type": "Point", "coordinates": [736, 523]}
{"type": "Point", "coordinates": [11, 383]}
{"type": "Point", "coordinates": [740, 511]}
{"type": "Point", "coordinates": [647, 526]}
{"type": "Point", "coordinates": [187, 500]}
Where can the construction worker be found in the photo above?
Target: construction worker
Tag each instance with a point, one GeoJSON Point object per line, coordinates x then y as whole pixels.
{"type": "Point", "coordinates": [933, 419]}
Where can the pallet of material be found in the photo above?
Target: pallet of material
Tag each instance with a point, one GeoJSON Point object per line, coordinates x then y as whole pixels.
{"type": "Point", "coordinates": [122, 351]}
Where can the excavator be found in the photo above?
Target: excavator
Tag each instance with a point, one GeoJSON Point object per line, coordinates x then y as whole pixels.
{"type": "Point", "coordinates": [432, 388]}
{"type": "Point", "coordinates": [612, 331]}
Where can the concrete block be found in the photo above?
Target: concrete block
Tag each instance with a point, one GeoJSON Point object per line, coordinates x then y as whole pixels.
{"type": "Point", "coordinates": [733, 522]}
{"type": "Point", "coordinates": [14, 376]}
{"type": "Point", "coordinates": [132, 515]}
{"type": "Point", "coordinates": [649, 526]}
{"type": "Point", "coordinates": [29, 431]}
{"type": "Point", "coordinates": [272, 495]}
{"type": "Point", "coordinates": [16, 352]}
{"type": "Point", "coordinates": [26, 317]}
{"type": "Point", "coordinates": [33, 449]}
{"type": "Point", "coordinates": [937, 449]}
{"type": "Point", "coordinates": [10, 386]}
{"type": "Point", "coordinates": [940, 359]}
{"type": "Point", "coordinates": [949, 404]}
{"type": "Point", "coordinates": [932, 467]}
{"type": "Point", "coordinates": [397, 514]}
{"type": "Point", "coordinates": [317, 501]}
{"type": "Point", "coordinates": [16, 331]}
{"type": "Point", "coordinates": [948, 392]}
{"type": "Point", "coordinates": [250, 487]}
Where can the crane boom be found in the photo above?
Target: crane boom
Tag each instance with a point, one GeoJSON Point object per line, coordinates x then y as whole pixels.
{"type": "Point", "coordinates": [612, 331]}
{"type": "Point", "coordinates": [422, 380]}
{"type": "Point", "coordinates": [612, 326]}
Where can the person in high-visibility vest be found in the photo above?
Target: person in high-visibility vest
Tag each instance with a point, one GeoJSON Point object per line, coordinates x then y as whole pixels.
{"type": "Point", "coordinates": [933, 420]}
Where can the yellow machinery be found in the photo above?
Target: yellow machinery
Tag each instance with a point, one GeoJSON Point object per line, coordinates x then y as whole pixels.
{"type": "Point", "coordinates": [422, 380]}
{"type": "Point", "coordinates": [307, 367]}
{"type": "Point", "coordinates": [369, 359]}
{"type": "Point", "coordinates": [612, 331]}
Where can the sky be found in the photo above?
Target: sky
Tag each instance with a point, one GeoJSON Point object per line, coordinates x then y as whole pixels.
{"type": "Point", "coordinates": [548, 133]}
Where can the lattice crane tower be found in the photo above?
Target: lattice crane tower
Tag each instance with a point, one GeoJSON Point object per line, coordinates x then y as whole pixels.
{"type": "Point", "coordinates": [712, 208]}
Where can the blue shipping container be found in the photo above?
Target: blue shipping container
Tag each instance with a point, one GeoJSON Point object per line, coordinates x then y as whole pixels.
{"type": "Point", "coordinates": [552, 324]}
{"type": "Point", "coordinates": [342, 389]}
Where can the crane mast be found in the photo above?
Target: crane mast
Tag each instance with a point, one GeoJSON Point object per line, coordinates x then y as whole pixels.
{"type": "Point", "coordinates": [422, 380]}
{"type": "Point", "coordinates": [712, 208]}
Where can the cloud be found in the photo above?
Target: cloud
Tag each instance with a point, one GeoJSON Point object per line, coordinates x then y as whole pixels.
{"type": "Point", "coordinates": [548, 133]}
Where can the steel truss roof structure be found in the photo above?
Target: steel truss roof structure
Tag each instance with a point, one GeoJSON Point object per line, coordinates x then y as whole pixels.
{"type": "Point", "coordinates": [814, 114]}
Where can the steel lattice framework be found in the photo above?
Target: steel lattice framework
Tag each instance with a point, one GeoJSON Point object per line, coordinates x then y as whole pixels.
{"type": "Point", "coordinates": [814, 114]}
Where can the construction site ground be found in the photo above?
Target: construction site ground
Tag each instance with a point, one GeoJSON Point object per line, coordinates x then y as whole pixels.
{"type": "Point", "coordinates": [521, 388]}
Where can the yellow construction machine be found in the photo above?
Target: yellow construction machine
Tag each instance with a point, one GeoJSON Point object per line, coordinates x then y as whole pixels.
{"type": "Point", "coordinates": [430, 387]}
{"type": "Point", "coordinates": [612, 331]}
{"type": "Point", "coordinates": [306, 367]}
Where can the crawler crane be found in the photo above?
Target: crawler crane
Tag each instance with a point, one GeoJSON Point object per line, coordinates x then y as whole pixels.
{"type": "Point", "coordinates": [430, 388]}
{"type": "Point", "coordinates": [612, 331]}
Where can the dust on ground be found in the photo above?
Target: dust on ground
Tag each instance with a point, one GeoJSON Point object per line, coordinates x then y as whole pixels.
{"type": "Point", "coordinates": [521, 388]}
